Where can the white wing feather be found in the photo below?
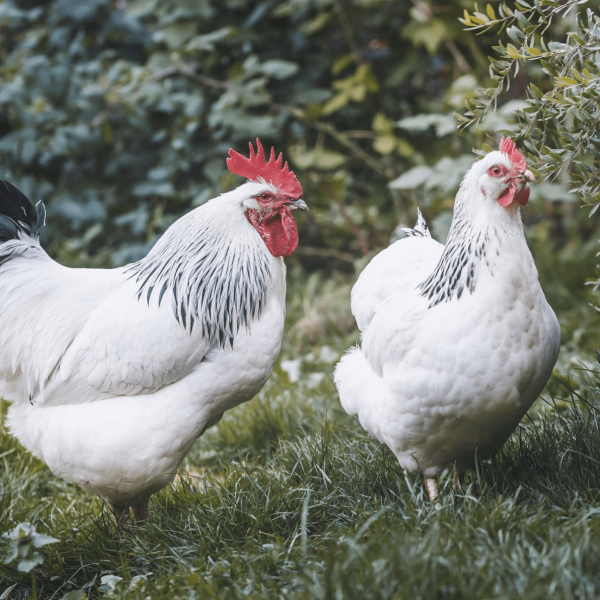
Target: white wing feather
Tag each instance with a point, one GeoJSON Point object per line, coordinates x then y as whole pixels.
{"type": "Point", "coordinates": [78, 335]}
{"type": "Point", "coordinates": [142, 350]}
{"type": "Point", "coordinates": [43, 306]}
{"type": "Point", "coordinates": [399, 270]}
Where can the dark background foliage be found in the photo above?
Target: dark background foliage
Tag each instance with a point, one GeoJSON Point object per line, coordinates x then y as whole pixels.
{"type": "Point", "coordinates": [119, 115]}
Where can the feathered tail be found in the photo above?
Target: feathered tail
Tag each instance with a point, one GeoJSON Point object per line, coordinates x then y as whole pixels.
{"type": "Point", "coordinates": [19, 220]}
{"type": "Point", "coordinates": [420, 229]}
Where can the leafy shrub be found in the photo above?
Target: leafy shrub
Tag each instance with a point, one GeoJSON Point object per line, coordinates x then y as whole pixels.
{"type": "Point", "coordinates": [559, 121]}
{"type": "Point", "coordinates": [119, 115]}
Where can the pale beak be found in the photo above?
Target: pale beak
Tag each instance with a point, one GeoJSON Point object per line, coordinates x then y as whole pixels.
{"type": "Point", "coordinates": [524, 178]}
{"type": "Point", "coordinates": [298, 204]}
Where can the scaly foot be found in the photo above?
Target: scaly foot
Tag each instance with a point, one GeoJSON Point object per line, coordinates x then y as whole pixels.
{"type": "Point", "coordinates": [431, 485]}
{"type": "Point", "coordinates": [457, 478]}
{"type": "Point", "coordinates": [120, 516]}
{"type": "Point", "coordinates": [140, 512]}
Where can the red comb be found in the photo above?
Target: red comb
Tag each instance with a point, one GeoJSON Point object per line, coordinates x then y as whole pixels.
{"type": "Point", "coordinates": [516, 158]}
{"type": "Point", "coordinates": [257, 168]}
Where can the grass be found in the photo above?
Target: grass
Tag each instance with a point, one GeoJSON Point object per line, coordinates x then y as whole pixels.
{"type": "Point", "coordinates": [288, 498]}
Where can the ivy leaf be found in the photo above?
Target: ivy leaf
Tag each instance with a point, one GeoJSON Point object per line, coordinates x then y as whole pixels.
{"type": "Point", "coordinates": [316, 24]}
{"type": "Point", "coordinates": [443, 124]}
{"type": "Point", "coordinates": [412, 179]}
{"type": "Point", "coordinates": [279, 69]}
{"type": "Point", "coordinates": [334, 104]}
{"type": "Point", "coordinates": [385, 144]}
{"type": "Point", "coordinates": [381, 124]}
{"type": "Point", "coordinates": [429, 34]}
{"type": "Point", "coordinates": [177, 34]}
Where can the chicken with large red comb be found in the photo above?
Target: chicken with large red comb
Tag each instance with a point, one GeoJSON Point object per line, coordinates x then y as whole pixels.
{"type": "Point", "coordinates": [113, 374]}
{"type": "Point", "coordinates": [273, 218]}
{"type": "Point", "coordinates": [257, 169]}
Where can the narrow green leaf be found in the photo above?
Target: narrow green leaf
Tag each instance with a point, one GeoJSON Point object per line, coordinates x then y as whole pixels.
{"type": "Point", "coordinates": [484, 18]}
{"type": "Point", "coordinates": [536, 90]}
{"type": "Point", "coordinates": [515, 34]}
{"type": "Point", "coordinates": [567, 80]}
{"type": "Point", "coordinates": [513, 52]}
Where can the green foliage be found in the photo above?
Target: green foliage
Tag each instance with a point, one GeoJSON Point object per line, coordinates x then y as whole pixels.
{"type": "Point", "coordinates": [559, 123]}
{"type": "Point", "coordinates": [327, 512]}
{"type": "Point", "coordinates": [119, 115]}
{"type": "Point", "coordinates": [23, 539]}
{"type": "Point", "coordinates": [288, 497]}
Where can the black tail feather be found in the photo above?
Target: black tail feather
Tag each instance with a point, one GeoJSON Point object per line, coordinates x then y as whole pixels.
{"type": "Point", "coordinates": [18, 216]}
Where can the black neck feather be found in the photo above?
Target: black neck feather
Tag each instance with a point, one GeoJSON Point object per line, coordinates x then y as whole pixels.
{"type": "Point", "coordinates": [458, 268]}
{"type": "Point", "coordinates": [212, 282]}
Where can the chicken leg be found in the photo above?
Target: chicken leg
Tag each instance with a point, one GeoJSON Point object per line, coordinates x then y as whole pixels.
{"type": "Point", "coordinates": [431, 485]}
{"type": "Point", "coordinates": [120, 516]}
{"type": "Point", "coordinates": [140, 512]}
{"type": "Point", "coordinates": [457, 478]}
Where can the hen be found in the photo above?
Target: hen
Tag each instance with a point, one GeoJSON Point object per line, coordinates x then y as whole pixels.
{"type": "Point", "coordinates": [457, 340]}
{"type": "Point", "coordinates": [113, 374]}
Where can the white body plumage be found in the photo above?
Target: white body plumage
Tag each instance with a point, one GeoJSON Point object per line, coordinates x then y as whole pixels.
{"type": "Point", "coordinates": [111, 381]}
{"type": "Point", "coordinates": [457, 341]}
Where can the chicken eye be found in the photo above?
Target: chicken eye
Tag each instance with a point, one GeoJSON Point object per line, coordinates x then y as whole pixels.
{"type": "Point", "coordinates": [496, 170]}
{"type": "Point", "coordinates": [264, 196]}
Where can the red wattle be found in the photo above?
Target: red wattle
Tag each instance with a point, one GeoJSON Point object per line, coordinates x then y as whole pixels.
{"type": "Point", "coordinates": [523, 196]}
{"type": "Point", "coordinates": [278, 230]}
{"type": "Point", "coordinates": [508, 197]}
{"type": "Point", "coordinates": [512, 194]}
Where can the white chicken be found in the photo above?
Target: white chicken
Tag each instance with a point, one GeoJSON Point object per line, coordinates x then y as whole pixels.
{"type": "Point", "coordinates": [113, 374]}
{"type": "Point", "coordinates": [457, 340]}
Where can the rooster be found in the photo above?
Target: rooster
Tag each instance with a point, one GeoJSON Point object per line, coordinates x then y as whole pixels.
{"type": "Point", "coordinates": [457, 340]}
{"type": "Point", "coordinates": [114, 374]}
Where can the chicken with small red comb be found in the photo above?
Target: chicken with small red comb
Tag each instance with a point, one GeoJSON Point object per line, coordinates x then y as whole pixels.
{"type": "Point", "coordinates": [114, 374]}
{"type": "Point", "coordinates": [457, 340]}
